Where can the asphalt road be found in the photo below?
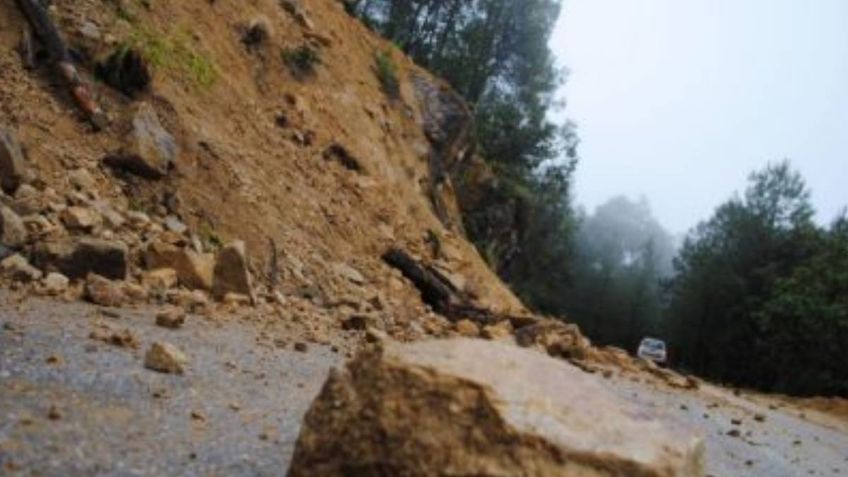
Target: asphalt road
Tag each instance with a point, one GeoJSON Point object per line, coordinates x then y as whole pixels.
{"type": "Point", "coordinates": [236, 411]}
{"type": "Point", "coordinates": [71, 405]}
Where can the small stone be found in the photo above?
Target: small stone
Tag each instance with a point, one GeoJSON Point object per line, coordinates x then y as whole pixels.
{"type": "Point", "coordinates": [175, 225]}
{"type": "Point", "coordinates": [56, 283]}
{"type": "Point", "coordinates": [301, 347]}
{"type": "Point", "coordinates": [346, 271]}
{"type": "Point", "coordinates": [138, 220]}
{"type": "Point", "coordinates": [734, 433]}
{"type": "Point", "coordinates": [81, 218]}
{"type": "Point", "coordinates": [467, 328]}
{"type": "Point", "coordinates": [54, 414]}
{"type": "Point", "coordinates": [499, 331]}
{"type": "Point", "coordinates": [102, 291]}
{"type": "Point", "coordinates": [90, 30]}
{"type": "Point", "coordinates": [173, 318]}
{"type": "Point", "coordinates": [736, 422]}
{"type": "Point", "coordinates": [759, 417]}
{"type": "Point", "coordinates": [82, 179]}
{"type": "Point", "coordinates": [373, 335]}
{"type": "Point", "coordinates": [165, 358]}
{"type": "Point", "coordinates": [160, 279]}
{"type": "Point", "coordinates": [18, 268]}
{"type": "Point", "coordinates": [359, 322]}
{"type": "Point", "coordinates": [121, 339]}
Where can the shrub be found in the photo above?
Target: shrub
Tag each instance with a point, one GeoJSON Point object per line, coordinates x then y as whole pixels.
{"type": "Point", "coordinates": [301, 60]}
{"type": "Point", "coordinates": [386, 70]}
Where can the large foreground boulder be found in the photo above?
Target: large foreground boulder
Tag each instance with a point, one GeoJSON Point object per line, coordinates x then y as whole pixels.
{"type": "Point", "coordinates": [473, 407]}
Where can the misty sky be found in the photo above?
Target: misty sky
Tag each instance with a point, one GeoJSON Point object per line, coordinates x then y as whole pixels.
{"type": "Point", "coordinates": [680, 99]}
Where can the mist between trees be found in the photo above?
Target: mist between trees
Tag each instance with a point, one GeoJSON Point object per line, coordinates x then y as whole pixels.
{"type": "Point", "coordinates": [757, 295]}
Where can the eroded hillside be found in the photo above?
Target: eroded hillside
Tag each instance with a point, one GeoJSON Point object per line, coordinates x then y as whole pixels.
{"type": "Point", "coordinates": [322, 170]}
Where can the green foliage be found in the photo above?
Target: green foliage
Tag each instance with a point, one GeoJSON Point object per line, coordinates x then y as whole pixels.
{"type": "Point", "coordinates": [621, 255]}
{"type": "Point", "coordinates": [302, 60]}
{"type": "Point", "coordinates": [759, 298]}
{"type": "Point", "coordinates": [495, 53]}
{"type": "Point", "coordinates": [175, 54]}
{"type": "Point", "coordinates": [387, 73]}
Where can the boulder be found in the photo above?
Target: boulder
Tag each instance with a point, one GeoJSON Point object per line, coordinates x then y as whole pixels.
{"type": "Point", "coordinates": [13, 233]}
{"type": "Point", "coordinates": [76, 258]}
{"type": "Point", "coordinates": [231, 272]}
{"type": "Point", "coordinates": [194, 270]}
{"type": "Point", "coordinates": [474, 407]}
{"type": "Point", "coordinates": [18, 268]}
{"type": "Point", "coordinates": [13, 164]}
{"type": "Point", "coordinates": [150, 151]}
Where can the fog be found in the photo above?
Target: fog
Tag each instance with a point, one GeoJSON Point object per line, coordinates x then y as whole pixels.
{"type": "Point", "coordinates": [680, 100]}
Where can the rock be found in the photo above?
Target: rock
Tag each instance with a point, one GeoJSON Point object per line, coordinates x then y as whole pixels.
{"type": "Point", "coordinates": [301, 347]}
{"type": "Point", "coordinates": [121, 339]}
{"type": "Point", "coordinates": [174, 224]}
{"type": "Point", "coordinates": [138, 220]}
{"type": "Point", "coordinates": [13, 164]}
{"type": "Point", "coordinates": [172, 318]}
{"type": "Point", "coordinates": [347, 272]}
{"type": "Point", "coordinates": [13, 233]}
{"type": "Point", "coordinates": [160, 279]}
{"type": "Point", "coordinates": [360, 322]}
{"type": "Point", "coordinates": [80, 218]}
{"type": "Point", "coordinates": [28, 200]}
{"type": "Point", "coordinates": [18, 268]}
{"type": "Point", "coordinates": [110, 216]}
{"type": "Point", "coordinates": [194, 270]}
{"type": "Point", "coordinates": [104, 292]}
{"type": "Point", "coordinates": [81, 179]}
{"type": "Point", "coordinates": [498, 331]}
{"type": "Point", "coordinates": [56, 283]}
{"type": "Point", "coordinates": [554, 337]}
{"type": "Point", "coordinates": [165, 358]}
{"type": "Point", "coordinates": [467, 328]}
{"type": "Point", "coordinates": [150, 150]}
{"type": "Point", "coordinates": [231, 274]}
{"type": "Point", "coordinates": [474, 407]}
{"type": "Point", "coordinates": [76, 258]}
{"type": "Point", "coordinates": [90, 31]}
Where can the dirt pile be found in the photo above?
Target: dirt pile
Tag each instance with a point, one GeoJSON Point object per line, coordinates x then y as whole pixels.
{"type": "Point", "coordinates": [468, 407]}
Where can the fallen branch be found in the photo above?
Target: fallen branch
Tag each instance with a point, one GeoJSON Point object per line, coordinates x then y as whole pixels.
{"type": "Point", "coordinates": [438, 292]}
{"type": "Point", "coordinates": [61, 60]}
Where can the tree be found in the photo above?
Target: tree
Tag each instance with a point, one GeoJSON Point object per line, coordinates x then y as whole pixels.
{"type": "Point", "coordinates": [759, 293]}
{"type": "Point", "coordinates": [621, 255]}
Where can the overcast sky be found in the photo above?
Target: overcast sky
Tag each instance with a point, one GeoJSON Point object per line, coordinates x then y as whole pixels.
{"type": "Point", "coordinates": [680, 99]}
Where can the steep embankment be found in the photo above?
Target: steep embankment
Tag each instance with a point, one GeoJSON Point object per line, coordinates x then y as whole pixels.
{"type": "Point", "coordinates": [323, 165]}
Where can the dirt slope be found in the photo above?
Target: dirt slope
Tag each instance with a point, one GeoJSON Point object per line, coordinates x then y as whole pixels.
{"type": "Point", "coordinates": [254, 141]}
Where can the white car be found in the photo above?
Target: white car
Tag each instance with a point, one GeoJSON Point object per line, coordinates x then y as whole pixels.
{"type": "Point", "coordinates": [652, 349]}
